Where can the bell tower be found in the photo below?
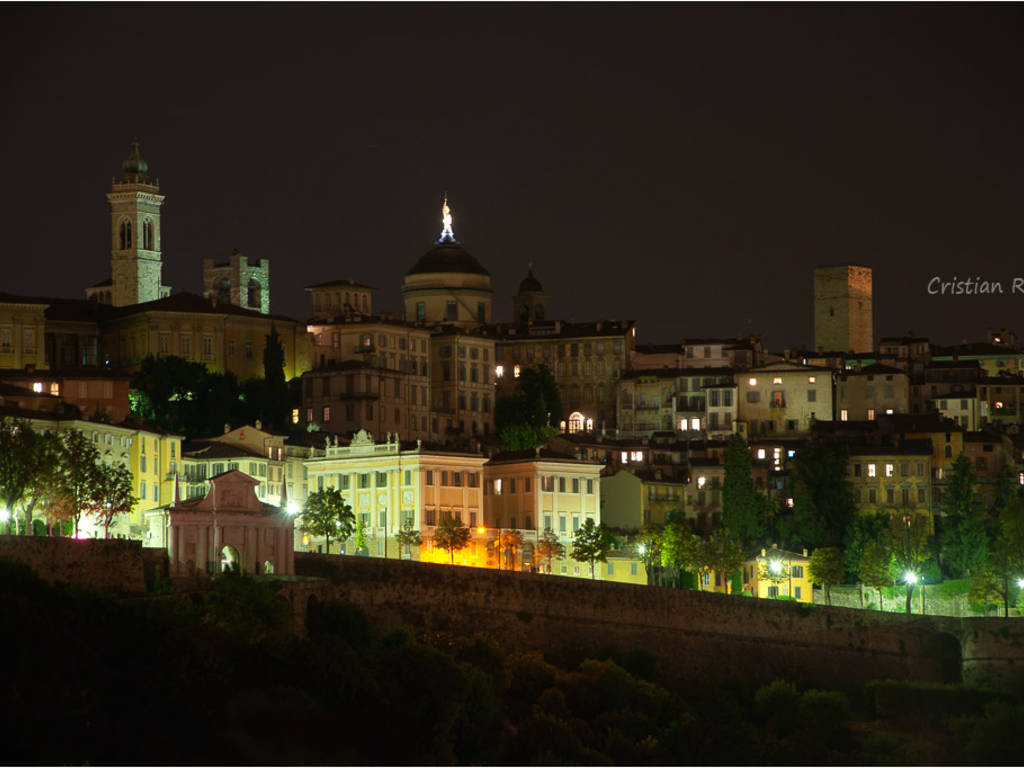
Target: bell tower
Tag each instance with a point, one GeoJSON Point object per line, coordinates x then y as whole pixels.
{"type": "Point", "coordinates": [135, 256]}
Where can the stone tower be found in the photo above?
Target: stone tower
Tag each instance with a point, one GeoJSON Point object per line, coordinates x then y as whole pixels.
{"type": "Point", "coordinates": [531, 303]}
{"type": "Point", "coordinates": [240, 280]}
{"type": "Point", "coordinates": [842, 309]}
{"type": "Point", "coordinates": [135, 257]}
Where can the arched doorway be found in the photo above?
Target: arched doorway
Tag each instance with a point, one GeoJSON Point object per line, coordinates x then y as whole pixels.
{"type": "Point", "coordinates": [577, 422]}
{"type": "Point", "coordinates": [229, 559]}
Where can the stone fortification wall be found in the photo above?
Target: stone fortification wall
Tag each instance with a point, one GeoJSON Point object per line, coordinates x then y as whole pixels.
{"type": "Point", "coordinates": [115, 565]}
{"type": "Point", "coordinates": [693, 635]}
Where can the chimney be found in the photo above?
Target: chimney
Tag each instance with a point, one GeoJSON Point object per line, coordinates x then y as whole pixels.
{"type": "Point", "coordinates": [259, 424]}
{"type": "Point", "coordinates": [227, 428]}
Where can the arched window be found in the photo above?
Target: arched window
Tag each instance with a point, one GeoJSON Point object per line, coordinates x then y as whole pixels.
{"type": "Point", "coordinates": [538, 312]}
{"type": "Point", "coordinates": [576, 422]}
{"type": "Point", "coordinates": [224, 291]}
{"type": "Point", "coordinates": [147, 235]}
{"type": "Point", "coordinates": [524, 313]}
{"type": "Point", "coordinates": [254, 294]}
{"type": "Point", "coordinates": [126, 234]}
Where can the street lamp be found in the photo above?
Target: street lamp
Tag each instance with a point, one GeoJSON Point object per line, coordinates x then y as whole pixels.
{"type": "Point", "coordinates": [910, 578]}
{"type": "Point", "coordinates": [292, 508]}
{"type": "Point", "coordinates": [5, 516]}
{"type": "Point", "coordinates": [1020, 583]}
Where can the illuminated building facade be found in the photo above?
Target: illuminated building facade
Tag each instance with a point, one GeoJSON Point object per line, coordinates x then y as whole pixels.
{"type": "Point", "coordinates": [783, 399]}
{"type": "Point", "coordinates": [241, 281]}
{"type": "Point", "coordinates": [843, 315]}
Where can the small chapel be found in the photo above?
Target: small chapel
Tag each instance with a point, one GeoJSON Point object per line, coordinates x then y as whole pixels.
{"type": "Point", "coordinates": [230, 529]}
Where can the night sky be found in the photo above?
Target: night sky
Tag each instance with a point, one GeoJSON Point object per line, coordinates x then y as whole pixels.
{"type": "Point", "coordinates": [684, 166]}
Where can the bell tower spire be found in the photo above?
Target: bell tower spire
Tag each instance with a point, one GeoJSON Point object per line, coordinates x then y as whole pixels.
{"type": "Point", "coordinates": [135, 254]}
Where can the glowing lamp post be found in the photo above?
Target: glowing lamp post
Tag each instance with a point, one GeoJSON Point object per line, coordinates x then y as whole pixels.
{"type": "Point", "coordinates": [5, 517]}
{"type": "Point", "coordinates": [292, 508]}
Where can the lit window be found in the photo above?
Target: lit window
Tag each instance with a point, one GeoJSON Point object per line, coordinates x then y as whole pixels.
{"type": "Point", "coordinates": [789, 502]}
{"type": "Point", "coordinates": [515, 371]}
{"type": "Point", "coordinates": [871, 470]}
{"type": "Point", "coordinates": [682, 425]}
{"type": "Point", "coordinates": [497, 487]}
{"type": "Point", "coordinates": [871, 414]}
{"type": "Point", "coordinates": [890, 470]}
{"type": "Point", "coordinates": [777, 380]}
{"type": "Point", "coordinates": [37, 386]}
{"type": "Point", "coordinates": [791, 453]}
{"type": "Point", "coordinates": [844, 415]}
{"type": "Point", "coordinates": [888, 411]}
{"type": "Point", "coordinates": [55, 389]}
{"type": "Point", "coordinates": [1020, 478]}
{"type": "Point", "coordinates": [999, 404]}
{"type": "Point", "coordinates": [499, 371]}
{"type": "Point", "coordinates": [810, 379]}
{"type": "Point", "coordinates": [760, 453]}
{"type": "Point", "coordinates": [752, 382]}
{"type": "Point", "coordinates": [695, 424]}
{"type": "Point", "coordinates": [295, 415]}
{"type": "Point", "coordinates": [637, 456]}
{"type": "Point", "coordinates": [701, 481]}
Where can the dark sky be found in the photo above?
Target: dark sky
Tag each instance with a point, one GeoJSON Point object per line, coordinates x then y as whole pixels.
{"type": "Point", "coordinates": [685, 166]}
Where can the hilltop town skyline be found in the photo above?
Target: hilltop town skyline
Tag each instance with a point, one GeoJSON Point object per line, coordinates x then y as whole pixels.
{"type": "Point", "coordinates": [684, 167]}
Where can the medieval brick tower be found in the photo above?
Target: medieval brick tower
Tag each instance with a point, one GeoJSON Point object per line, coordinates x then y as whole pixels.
{"type": "Point", "coordinates": [842, 309]}
{"type": "Point", "coordinates": [240, 280]}
{"type": "Point", "coordinates": [135, 257]}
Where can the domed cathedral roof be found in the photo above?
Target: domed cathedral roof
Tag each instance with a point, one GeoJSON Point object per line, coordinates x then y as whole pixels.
{"type": "Point", "coordinates": [448, 257]}
{"type": "Point", "coordinates": [446, 284]}
{"type": "Point", "coordinates": [530, 284]}
{"type": "Point", "coordinates": [134, 170]}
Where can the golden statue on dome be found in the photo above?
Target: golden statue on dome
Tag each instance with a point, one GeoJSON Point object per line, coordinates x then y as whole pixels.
{"type": "Point", "coordinates": [446, 221]}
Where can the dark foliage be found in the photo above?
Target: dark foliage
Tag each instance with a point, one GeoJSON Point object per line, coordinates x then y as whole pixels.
{"type": "Point", "coordinates": [227, 669]}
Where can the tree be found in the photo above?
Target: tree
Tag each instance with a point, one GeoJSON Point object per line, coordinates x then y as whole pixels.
{"type": "Point", "coordinates": [1006, 488]}
{"type": "Point", "coordinates": [27, 460]}
{"type": "Point", "coordinates": [536, 403]}
{"type": "Point", "coordinates": [994, 582]}
{"type": "Point", "coordinates": [359, 541]}
{"type": "Point", "coordinates": [648, 546]}
{"type": "Point", "coordinates": [964, 542]}
{"type": "Point", "coordinates": [549, 547]}
{"type": "Point", "coordinates": [827, 568]}
{"type": "Point", "coordinates": [525, 437]}
{"type": "Point", "coordinates": [112, 494]}
{"type": "Point", "coordinates": [906, 540]}
{"type": "Point", "coordinates": [863, 529]}
{"type": "Point", "coordinates": [408, 536]}
{"type": "Point", "coordinates": [742, 511]}
{"type": "Point", "coordinates": [275, 392]}
{"type": "Point", "coordinates": [509, 543]}
{"type": "Point", "coordinates": [79, 477]}
{"type": "Point", "coordinates": [451, 534]}
{"type": "Point", "coordinates": [326, 514]}
{"type": "Point", "coordinates": [823, 499]}
{"type": "Point", "coordinates": [591, 544]}
{"type": "Point", "coordinates": [723, 553]}
{"type": "Point", "coordinates": [680, 547]}
{"type": "Point", "coordinates": [875, 567]}
{"type": "Point", "coordinates": [776, 570]}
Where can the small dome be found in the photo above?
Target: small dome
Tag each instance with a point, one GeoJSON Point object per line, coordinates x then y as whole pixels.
{"type": "Point", "coordinates": [134, 168]}
{"type": "Point", "coordinates": [530, 283]}
{"type": "Point", "coordinates": [447, 257]}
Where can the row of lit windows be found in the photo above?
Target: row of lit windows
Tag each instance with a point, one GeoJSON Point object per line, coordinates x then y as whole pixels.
{"type": "Point", "coordinates": [844, 414]}
{"type": "Point", "coordinates": [871, 469]}
{"type": "Point", "coordinates": [752, 381]}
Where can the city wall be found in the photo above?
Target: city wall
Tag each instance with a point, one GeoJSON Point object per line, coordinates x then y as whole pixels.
{"type": "Point", "coordinates": [692, 635]}
{"type": "Point", "coordinates": [114, 565]}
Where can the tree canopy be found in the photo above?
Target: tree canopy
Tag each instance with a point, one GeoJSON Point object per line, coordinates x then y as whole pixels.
{"type": "Point", "coordinates": [326, 514]}
{"type": "Point", "coordinates": [963, 536]}
{"type": "Point", "coordinates": [742, 510]}
{"type": "Point", "coordinates": [452, 534]}
{"type": "Point", "coordinates": [591, 543]}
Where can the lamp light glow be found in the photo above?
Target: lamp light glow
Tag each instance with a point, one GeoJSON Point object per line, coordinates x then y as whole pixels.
{"type": "Point", "coordinates": [910, 577]}
{"type": "Point", "coordinates": [292, 508]}
{"type": "Point", "coordinates": [776, 566]}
